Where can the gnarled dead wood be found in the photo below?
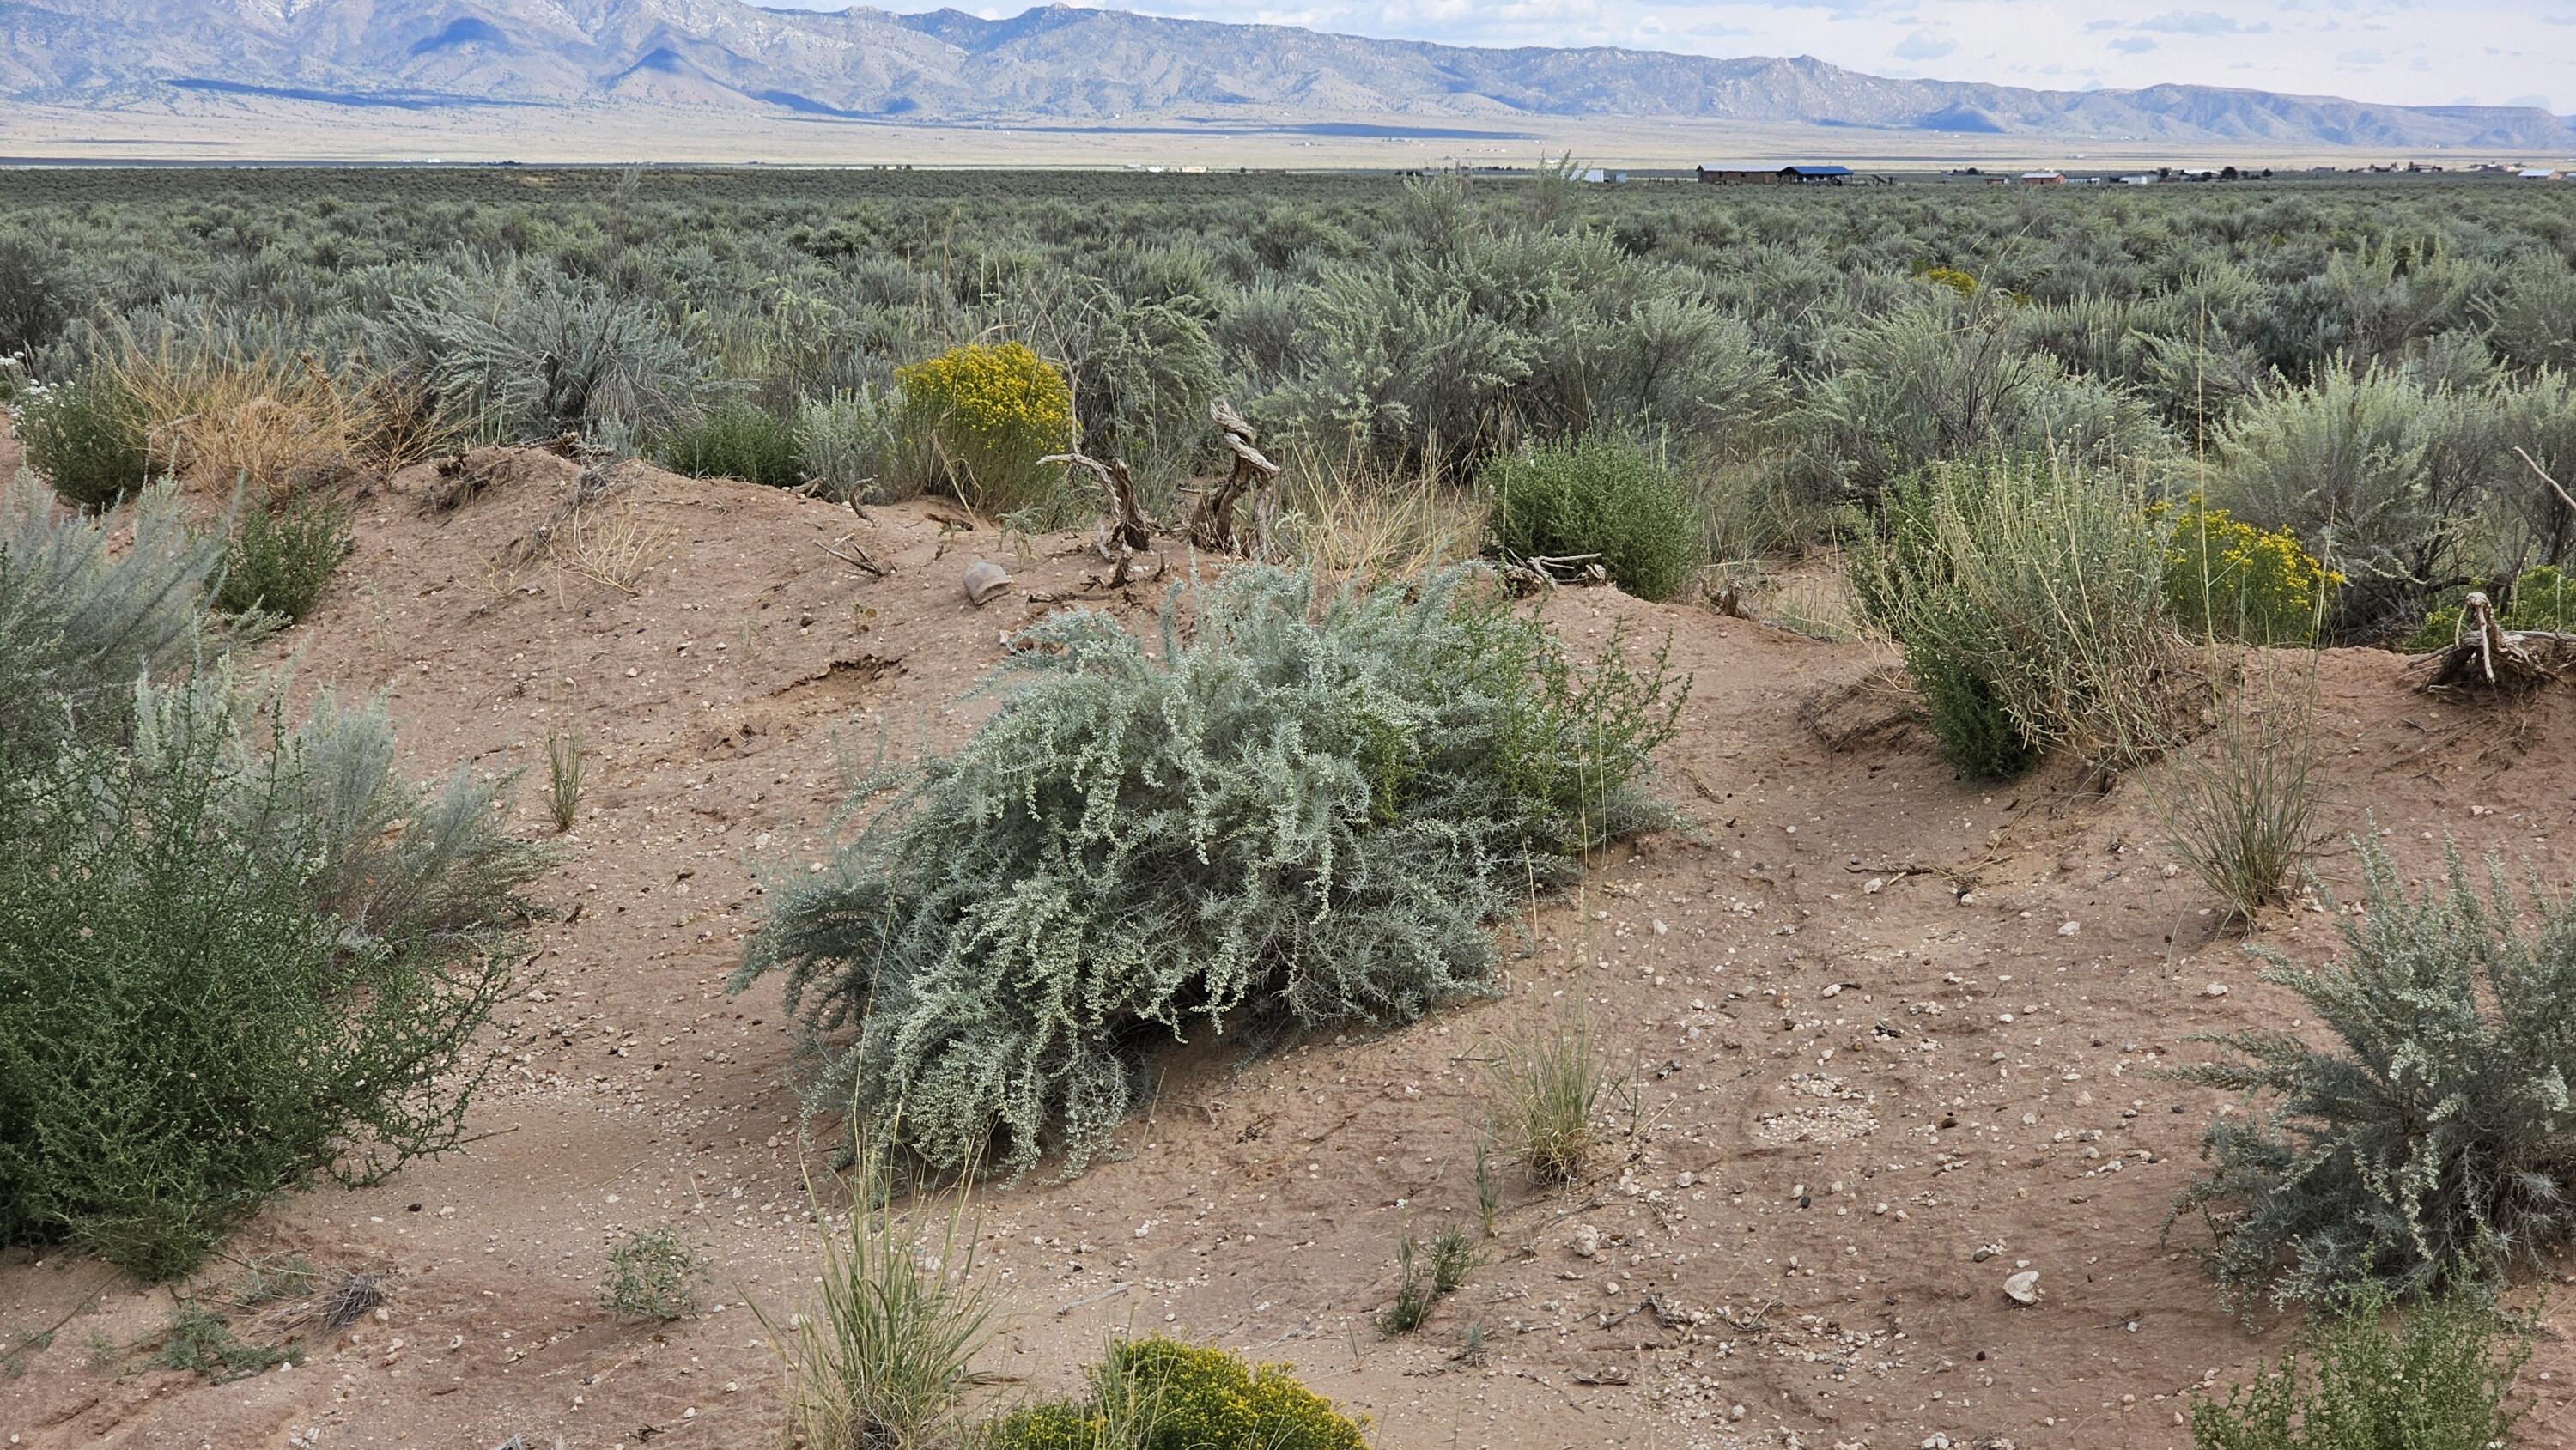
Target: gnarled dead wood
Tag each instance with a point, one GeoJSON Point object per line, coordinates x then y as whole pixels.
{"type": "Point", "coordinates": [1213, 525]}
{"type": "Point", "coordinates": [1126, 530]}
{"type": "Point", "coordinates": [2485, 656]}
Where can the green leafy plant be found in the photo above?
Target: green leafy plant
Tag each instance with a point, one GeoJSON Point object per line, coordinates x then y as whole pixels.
{"type": "Point", "coordinates": [1160, 1394]}
{"type": "Point", "coordinates": [2030, 602]}
{"type": "Point", "coordinates": [200, 1341]}
{"type": "Point", "coordinates": [2425, 1143]}
{"type": "Point", "coordinates": [87, 437]}
{"type": "Point", "coordinates": [2542, 598]}
{"type": "Point", "coordinates": [736, 440]}
{"type": "Point", "coordinates": [278, 563]}
{"type": "Point", "coordinates": [1424, 1277]}
{"type": "Point", "coordinates": [2439, 1378]}
{"type": "Point", "coordinates": [239, 954]}
{"type": "Point", "coordinates": [652, 1273]}
{"type": "Point", "coordinates": [1597, 497]}
{"type": "Point", "coordinates": [1295, 814]}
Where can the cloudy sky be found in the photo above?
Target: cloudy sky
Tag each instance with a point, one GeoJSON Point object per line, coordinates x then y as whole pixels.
{"type": "Point", "coordinates": [2423, 52]}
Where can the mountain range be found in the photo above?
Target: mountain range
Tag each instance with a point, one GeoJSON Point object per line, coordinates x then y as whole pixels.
{"type": "Point", "coordinates": [1063, 65]}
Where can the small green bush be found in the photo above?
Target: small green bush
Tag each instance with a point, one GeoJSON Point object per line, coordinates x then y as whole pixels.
{"type": "Point", "coordinates": [1294, 814]}
{"type": "Point", "coordinates": [182, 1031]}
{"type": "Point", "coordinates": [2030, 601]}
{"type": "Point", "coordinates": [199, 1341]}
{"type": "Point", "coordinates": [278, 563]}
{"type": "Point", "coordinates": [2439, 1380]}
{"type": "Point", "coordinates": [2427, 1142]}
{"type": "Point", "coordinates": [1160, 1394]}
{"type": "Point", "coordinates": [736, 440]}
{"type": "Point", "coordinates": [87, 437]}
{"type": "Point", "coordinates": [1597, 496]}
{"type": "Point", "coordinates": [652, 1274]}
{"type": "Point", "coordinates": [992, 412]}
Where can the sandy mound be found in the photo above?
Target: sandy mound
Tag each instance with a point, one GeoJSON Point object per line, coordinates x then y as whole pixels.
{"type": "Point", "coordinates": [1890, 1039]}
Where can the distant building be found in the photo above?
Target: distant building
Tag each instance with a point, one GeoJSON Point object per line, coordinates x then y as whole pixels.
{"type": "Point", "coordinates": [2143, 178]}
{"type": "Point", "coordinates": [2043, 178]}
{"type": "Point", "coordinates": [1731, 175]}
{"type": "Point", "coordinates": [1599, 176]}
{"type": "Point", "coordinates": [2537, 173]}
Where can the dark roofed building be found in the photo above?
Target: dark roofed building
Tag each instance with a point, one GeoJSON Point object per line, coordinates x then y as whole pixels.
{"type": "Point", "coordinates": [1727, 175]}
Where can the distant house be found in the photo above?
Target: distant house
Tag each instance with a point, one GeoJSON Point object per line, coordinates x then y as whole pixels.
{"type": "Point", "coordinates": [2043, 178]}
{"type": "Point", "coordinates": [2143, 178]}
{"type": "Point", "coordinates": [2537, 173]}
{"type": "Point", "coordinates": [1599, 176]}
{"type": "Point", "coordinates": [1733, 175]}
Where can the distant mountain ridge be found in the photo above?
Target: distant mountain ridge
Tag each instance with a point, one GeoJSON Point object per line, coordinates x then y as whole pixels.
{"type": "Point", "coordinates": [1062, 64]}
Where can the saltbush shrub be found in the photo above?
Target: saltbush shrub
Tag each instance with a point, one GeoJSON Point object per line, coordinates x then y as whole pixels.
{"type": "Point", "coordinates": [87, 437]}
{"type": "Point", "coordinates": [277, 563]}
{"type": "Point", "coordinates": [182, 1032]}
{"type": "Point", "coordinates": [1597, 496]}
{"type": "Point", "coordinates": [2226, 579]}
{"type": "Point", "coordinates": [736, 440]}
{"type": "Point", "coordinates": [2440, 1378]}
{"type": "Point", "coordinates": [2426, 1141]}
{"type": "Point", "coordinates": [992, 411]}
{"type": "Point", "coordinates": [233, 953]}
{"type": "Point", "coordinates": [1160, 1394]}
{"type": "Point", "coordinates": [2029, 598]}
{"type": "Point", "coordinates": [1295, 814]}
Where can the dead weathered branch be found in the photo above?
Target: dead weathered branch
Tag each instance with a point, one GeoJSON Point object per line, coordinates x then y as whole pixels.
{"type": "Point", "coordinates": [1126, 530]}
{"type": "Point", "coordinates": [2486, 657]}
{"type": "Point", "coordinates": [1213, 526]}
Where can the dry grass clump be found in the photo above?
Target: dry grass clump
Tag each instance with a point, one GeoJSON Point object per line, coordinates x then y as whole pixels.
{"type": "Point", "coordinates": [885, 1357]}
{"type": "Point", "coordinates": [2242, 811]}
{"type": "Point", "coordinates": [272, 425]}
{"type": "Point", "coordinates": [609, 543]}
{"type": "Point", "coordinates": [1351, 520]}
{"type": "Point", "coordinates": [1550, 1094]}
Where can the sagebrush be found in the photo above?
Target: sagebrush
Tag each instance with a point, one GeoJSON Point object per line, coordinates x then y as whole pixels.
{"type": "Point", "coordinates": [1296, 812]}
{"type": "Point", "coordinates": [2425, 1141]}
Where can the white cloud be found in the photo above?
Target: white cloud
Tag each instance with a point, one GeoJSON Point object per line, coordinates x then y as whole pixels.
{"type": "Point", "coordinates": [2449, 47]}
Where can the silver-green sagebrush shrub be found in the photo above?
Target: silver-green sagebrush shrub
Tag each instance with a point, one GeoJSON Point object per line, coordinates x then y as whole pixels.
{"type": "Point", "coordinates": [2429, 1138]}
{"type": "Point", "coordinates": [1292, 813]}
{"type": "Point", "coordinates": [80, 619]}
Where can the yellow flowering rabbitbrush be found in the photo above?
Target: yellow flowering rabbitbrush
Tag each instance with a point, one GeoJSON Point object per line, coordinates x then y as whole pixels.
{"type": "Point", "coordinates": [2225, 577]}
{"type": "Point", "coordinates": [992, 410]}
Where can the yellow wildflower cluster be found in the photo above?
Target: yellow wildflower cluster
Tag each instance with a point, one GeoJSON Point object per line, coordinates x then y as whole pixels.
{"type": "Point", "coordinates": [993, 410]}
{"type": "Point", "coordinates": [1963, 283]}
{"type": "Point", "coordinates": [1160, 1394]}
{"type": "Point", "coordinates": [2228, 578]}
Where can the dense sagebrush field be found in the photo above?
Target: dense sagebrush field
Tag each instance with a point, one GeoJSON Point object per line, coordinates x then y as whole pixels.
{"type": "Point", "coordinates": [2351, 362]}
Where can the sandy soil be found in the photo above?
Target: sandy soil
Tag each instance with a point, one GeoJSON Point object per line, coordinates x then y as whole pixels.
{"type": "Point", "coordinates": [1892, 1039]}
